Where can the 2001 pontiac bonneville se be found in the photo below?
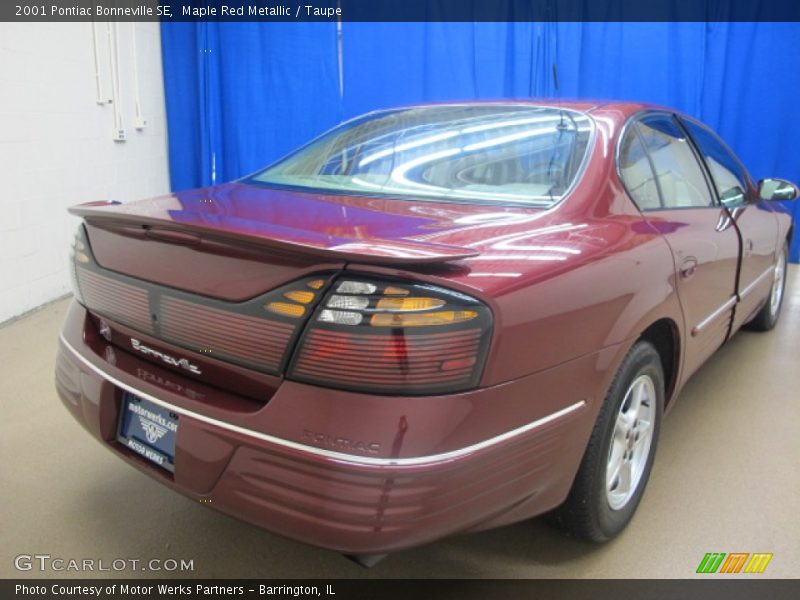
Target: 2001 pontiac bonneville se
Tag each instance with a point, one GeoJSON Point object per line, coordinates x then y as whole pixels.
{"type": "Point", "coordinates": [428, 320]}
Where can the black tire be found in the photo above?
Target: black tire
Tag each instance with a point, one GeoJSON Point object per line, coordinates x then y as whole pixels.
{"type": "Point", "coordinates": [769, 314]}
{"type": "Point", "coordinates": [587, 512]}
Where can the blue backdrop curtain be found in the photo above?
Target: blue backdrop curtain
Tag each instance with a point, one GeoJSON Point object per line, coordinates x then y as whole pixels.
{"type": "Point", "coordinates": [240, 95]}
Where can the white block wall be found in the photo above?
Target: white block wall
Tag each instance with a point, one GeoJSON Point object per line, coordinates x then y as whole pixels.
{"type": "Point", "coordinates": [57, 149]}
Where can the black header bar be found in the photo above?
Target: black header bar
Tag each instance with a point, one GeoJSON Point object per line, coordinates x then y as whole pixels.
{"type": "Point", "coordinates": [400, 10]}
{"type": "Point", "coordinates": [712, 588]}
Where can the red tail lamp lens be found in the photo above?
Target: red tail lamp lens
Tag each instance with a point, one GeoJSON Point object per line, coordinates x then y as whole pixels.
{"type": "Point", "coordinates": [258, 334]}
{"type": "Point", "coordinates": [366, 336]}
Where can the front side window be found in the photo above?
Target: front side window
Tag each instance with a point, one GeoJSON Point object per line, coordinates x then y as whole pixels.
{"type": "Point", "coordinates": [481, 153]}
{"type": "Point", "coordinates": [728, 174]}
{"type": "Point", "coordinates": [680, 177]}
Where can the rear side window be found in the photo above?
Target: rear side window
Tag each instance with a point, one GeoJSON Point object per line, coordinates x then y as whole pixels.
{"type": "Point", "coordinates": [728, 174]}
{"type": "Point", "coordinates": [637, 174]}
{"type": "Point", "coordinates": [680, 177]}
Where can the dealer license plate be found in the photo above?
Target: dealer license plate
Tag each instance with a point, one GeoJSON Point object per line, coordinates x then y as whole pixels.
{"type": "Point", "coordinates": [148, 429]}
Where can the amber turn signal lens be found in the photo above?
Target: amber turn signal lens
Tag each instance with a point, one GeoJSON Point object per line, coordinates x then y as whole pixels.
{"type": "Point", "coordinates": [316, 284]}
{"type": "Point", "coordinates": [392, 290]}
{"type": "Point", "coordinates": [444, 317]}
{"type": "Point", "coordinates": [393, 337]}
{"type": "Point", "coordinates": [409, 304]}
{"type": "Point", "coordinates": [301, 296]}
{"type": "Point", "coordinates": [286, 309]}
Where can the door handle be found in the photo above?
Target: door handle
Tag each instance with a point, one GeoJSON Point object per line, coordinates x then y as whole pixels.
{"type": "Point", "coordinates": [688, 267]}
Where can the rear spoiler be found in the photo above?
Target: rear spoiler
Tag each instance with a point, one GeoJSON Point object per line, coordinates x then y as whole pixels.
{"type": "Point", "coordinates": [187, 228]}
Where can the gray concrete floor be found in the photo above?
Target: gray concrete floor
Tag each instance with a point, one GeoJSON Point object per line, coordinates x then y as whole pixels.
{"type": "Point", "coordinates": [726, 479]}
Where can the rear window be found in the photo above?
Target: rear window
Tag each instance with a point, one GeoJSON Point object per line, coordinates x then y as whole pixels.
{"type": "Point", "coordinates": [482, 153]}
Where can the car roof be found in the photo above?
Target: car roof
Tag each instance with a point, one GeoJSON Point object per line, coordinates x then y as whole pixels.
{"type": "Point", "coordinates": [616, 110]}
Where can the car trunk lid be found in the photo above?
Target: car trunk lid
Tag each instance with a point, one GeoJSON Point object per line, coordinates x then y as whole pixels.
{"type": "Point", "coordinates": [235, 241]}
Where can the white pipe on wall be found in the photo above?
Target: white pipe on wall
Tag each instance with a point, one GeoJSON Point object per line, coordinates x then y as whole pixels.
{"type": "Point", "coordinates": [100, 97]}
{"type": "Point", "coordinates": [116, 94]}
{"type": "Point", "coordinates": [139, 120]}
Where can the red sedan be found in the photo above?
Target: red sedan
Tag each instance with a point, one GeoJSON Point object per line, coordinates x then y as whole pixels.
{"type": "Point", "coordinates": [428, 320]}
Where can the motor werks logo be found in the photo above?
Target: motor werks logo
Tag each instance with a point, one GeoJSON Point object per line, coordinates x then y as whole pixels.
{"type": "Point", "coordinates": [154, 426]}
{"type": "Point", "coordinates": [734, 562]}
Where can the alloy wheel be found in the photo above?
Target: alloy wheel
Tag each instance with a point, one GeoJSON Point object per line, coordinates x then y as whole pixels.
{"type": "Point", "coordinates": [630, 442]}
{"type": "Point", "coordinates": [777, 284]}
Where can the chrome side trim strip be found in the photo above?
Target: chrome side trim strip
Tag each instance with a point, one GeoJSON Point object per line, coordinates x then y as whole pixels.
{"type": "Point", "coordinates": [756, 281]}
{"type": "Point", "coordinates": [731, 301]}
{"type": "Point", "coordinates": [416, 461]}
{"type": "Point", "coordinates": [716, 314]}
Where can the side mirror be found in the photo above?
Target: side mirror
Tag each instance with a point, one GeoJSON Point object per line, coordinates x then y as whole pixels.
{"type": "Point", "coordinates": [777, 189]}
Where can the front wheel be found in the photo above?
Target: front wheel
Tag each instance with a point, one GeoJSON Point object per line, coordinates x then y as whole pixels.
{"type": "Point", "coordinates": [617, 462]}
{"type": "Point", "coordinates": [767, 317]}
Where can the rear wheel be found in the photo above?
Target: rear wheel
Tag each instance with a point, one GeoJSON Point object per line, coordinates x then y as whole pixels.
{"type": "Point", "coordinates": [617, 462]}
{"type": "Point", "coordinates": [768, 316]}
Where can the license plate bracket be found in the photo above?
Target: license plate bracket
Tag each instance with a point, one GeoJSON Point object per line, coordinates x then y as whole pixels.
{"type": "Point", "coordinates": [148, 429]}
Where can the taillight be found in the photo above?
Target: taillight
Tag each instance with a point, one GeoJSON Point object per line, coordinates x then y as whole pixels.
{"type": "Point", "coordinates": [79, 254]}
{"type": "Point", "coordinates": [394, 338]}
{"type": "Point", "coordinates": [258, 333]}
{"type": "Point", "coordinates": [103, 293]}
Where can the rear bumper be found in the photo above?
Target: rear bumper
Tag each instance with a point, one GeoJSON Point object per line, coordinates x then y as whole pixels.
{"type": "Point", "coordinates": [353, 473]}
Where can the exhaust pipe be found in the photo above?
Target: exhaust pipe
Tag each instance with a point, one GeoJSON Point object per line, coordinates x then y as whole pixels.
{"type": "Point", "coordinates": [365, 560]}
